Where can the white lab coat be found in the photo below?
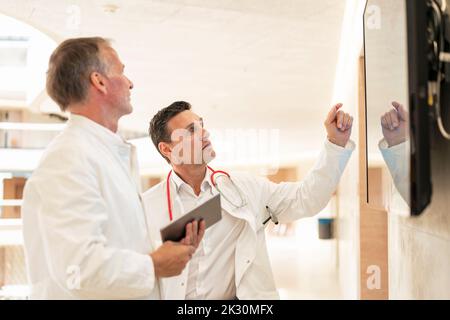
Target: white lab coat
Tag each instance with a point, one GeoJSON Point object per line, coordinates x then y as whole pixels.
{"type": "Point", "coordinates": [289, 201]}
{"type": "Point", "coordinates": [84, 227]}
{"type": "Point", "coordinates": [398, 163]}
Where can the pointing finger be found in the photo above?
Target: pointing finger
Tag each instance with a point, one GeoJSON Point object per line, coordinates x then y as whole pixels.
{"type": "Point", "coordinates": [340, 119]}
{"type": "Point", "coordinates": [332, 114]}
{"type": "Point", "coordinates": [401, 110]}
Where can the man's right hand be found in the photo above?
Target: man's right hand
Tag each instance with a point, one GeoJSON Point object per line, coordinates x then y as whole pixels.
{"type": "Point", "coordinates": [171, 258]}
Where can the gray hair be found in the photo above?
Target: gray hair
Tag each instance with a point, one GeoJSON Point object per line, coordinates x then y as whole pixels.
{"type": "Point", "coordinates": [70, 67]}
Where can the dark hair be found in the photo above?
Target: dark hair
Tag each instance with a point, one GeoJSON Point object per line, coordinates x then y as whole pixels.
{"type": "Point", "coordinates": [158, 125]}
{"type": "Point", "coordinates": [70, 66]}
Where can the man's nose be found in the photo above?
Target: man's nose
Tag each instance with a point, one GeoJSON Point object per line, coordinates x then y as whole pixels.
{"type": "Point", "coordinates": [131, 85]}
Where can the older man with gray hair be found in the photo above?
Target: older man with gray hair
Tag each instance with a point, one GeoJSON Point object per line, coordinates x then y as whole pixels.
{"type": "Point", "coordinates": [85, 232]}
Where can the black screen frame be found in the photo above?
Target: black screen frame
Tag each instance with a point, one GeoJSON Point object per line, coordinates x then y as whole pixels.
{"type": "Point", "coordinates": [421, 185]}
{"type": "Point", "coordinates": [419, 111]}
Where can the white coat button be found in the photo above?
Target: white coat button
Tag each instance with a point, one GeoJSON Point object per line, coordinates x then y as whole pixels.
{"type": "Point", "coordinates": [248, 261]}
{"type": "Point", "coordinates": [182, 284]}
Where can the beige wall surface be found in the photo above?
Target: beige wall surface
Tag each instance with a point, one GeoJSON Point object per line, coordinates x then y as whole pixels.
{"type": "Point", "coordinates": [419, 247]}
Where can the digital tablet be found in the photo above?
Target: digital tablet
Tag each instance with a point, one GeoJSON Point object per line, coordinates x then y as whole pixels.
{"type": "Point", "coordinates": [210, 211]}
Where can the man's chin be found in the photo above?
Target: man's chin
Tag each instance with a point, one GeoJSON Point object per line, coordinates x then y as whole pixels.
{"type": "Point", "coordinates": [130, 109]}
{"type": "Point", "coordinates": [208, 155]}
{"type": "Point", "coordinates": [127, 109]}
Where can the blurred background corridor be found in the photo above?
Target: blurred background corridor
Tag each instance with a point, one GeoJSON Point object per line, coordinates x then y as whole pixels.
{"type": "Point", "coordinates": [263, 75]}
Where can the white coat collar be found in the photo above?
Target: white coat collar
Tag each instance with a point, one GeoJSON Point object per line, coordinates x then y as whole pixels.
{"type": "Point", "coordinates": [113, 141]}
{"type": "Point", "coordinates": [98, 130]}
{"type": "Point", "coordinates": [206, 183]}
{"type": "Point", "coordinates": [244, 212]}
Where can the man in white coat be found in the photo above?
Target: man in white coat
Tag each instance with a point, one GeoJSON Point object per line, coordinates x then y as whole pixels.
{"type": "Point", "coordinates": [85, 232]}
{"type": "Point", "coordinates": [232, 260]}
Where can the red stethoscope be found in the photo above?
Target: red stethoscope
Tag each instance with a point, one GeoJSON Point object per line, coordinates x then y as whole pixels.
{"type": "Point", "coordinates": [213, 182]}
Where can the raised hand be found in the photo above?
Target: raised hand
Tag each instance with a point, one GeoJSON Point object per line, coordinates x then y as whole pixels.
{"type": "Point", "coordinates": [394, 124]}
{"type": "Point", "coordinates": [338, 125]}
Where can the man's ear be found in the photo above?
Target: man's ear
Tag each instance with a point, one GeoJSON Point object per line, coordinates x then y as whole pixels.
{"type": "Point", "coordinates": [98, 81]}
{"type": "Point", "coordinates": [165, 150]}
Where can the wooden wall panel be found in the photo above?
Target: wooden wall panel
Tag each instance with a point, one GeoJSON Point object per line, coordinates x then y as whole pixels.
{"type": "Point", "coordinates": [373, 222]}
{"type": "Point", "coordinates": [12, 189]}
{"type": "Point", "coordinates": [2, 266]}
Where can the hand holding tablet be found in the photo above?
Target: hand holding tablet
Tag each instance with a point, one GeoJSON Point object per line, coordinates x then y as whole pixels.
{"type": "Point", "coordinates": [209, 211]}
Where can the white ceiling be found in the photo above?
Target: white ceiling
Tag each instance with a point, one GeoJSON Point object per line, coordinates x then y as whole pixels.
{"type": "Point", "coordinates": [241, 63]}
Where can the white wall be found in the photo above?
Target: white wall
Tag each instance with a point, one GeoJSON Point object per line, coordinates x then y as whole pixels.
{"type": "Point", "coordinates": [346, 91]}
